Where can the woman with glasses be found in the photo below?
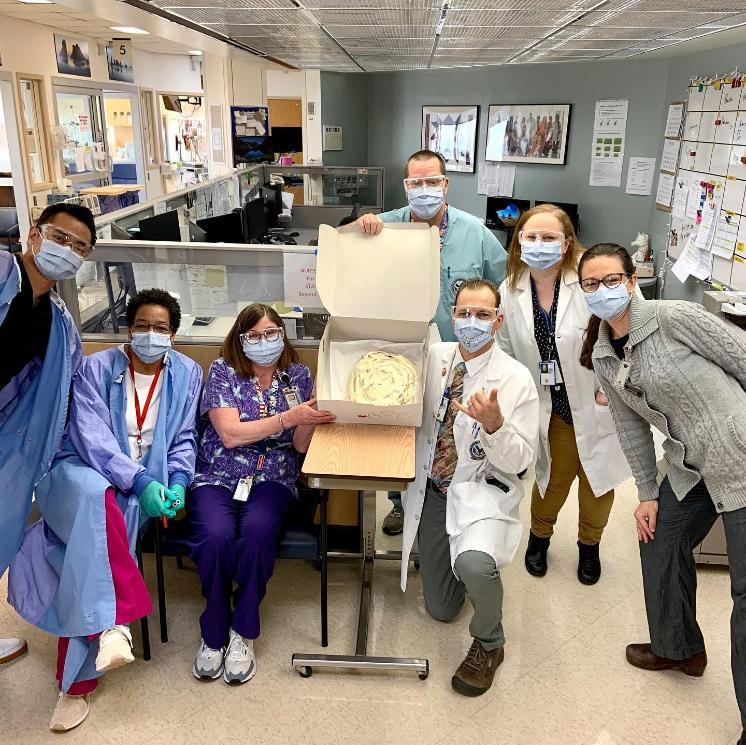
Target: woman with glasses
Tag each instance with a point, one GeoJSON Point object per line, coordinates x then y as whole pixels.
{"type": "Point", "coordinates": [128, 454]}
{"type": "Point", "coordinates": [259, 415]}
{"type": "Point", "coordinates": [674, 366]}
{"type": "Point", "coordinates": [545, 318]}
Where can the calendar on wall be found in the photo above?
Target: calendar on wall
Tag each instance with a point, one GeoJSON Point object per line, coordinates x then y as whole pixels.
{"type": "Point", "coordinates": [707, 235]}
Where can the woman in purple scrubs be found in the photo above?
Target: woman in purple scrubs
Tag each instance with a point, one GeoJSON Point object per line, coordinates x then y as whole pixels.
{"type": "Point", "coordinates": [259, 417]}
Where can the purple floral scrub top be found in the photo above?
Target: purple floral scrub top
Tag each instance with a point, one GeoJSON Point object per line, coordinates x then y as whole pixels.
{"type": "Point", "coordinates": [222, 466]}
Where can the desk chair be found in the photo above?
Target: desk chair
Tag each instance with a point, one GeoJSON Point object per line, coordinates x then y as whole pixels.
{"type": "Point", "coordinates": [300, 539]}
{"type": "Point", "coordinates": [9, 231]}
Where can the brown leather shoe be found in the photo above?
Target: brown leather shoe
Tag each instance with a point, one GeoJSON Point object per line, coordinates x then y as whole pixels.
{"type": "Point", "coordinates": [474, 675]}
{"type": "Point", "coordinates": [642, 656]}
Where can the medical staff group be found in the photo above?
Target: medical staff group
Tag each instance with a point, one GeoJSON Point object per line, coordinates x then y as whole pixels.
{"type": "Point", "coordinates": [551, 359]}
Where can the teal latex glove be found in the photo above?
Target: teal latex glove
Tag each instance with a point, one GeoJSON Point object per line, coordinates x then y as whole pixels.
{"type": "Point", "coordinates": [153, 505]}
{"type": "Point", "coordinates": [176, 492]}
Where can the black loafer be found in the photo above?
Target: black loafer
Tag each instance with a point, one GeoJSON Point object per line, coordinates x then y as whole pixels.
{"type": "Point", "coordinates": [536, 555]}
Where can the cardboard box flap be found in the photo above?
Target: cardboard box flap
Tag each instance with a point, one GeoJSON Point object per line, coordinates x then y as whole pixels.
{"type": "Point", "coordinates": [394, 275]}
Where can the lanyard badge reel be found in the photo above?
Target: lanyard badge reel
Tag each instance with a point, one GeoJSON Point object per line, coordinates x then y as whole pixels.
{"type": "Point", "coordinates": [291, 393]}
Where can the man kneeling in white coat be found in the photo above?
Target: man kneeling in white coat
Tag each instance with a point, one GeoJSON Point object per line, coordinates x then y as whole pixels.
{"type": "Point", "coordinates": [480, 430]}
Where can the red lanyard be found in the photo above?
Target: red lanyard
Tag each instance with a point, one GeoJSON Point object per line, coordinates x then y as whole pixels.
{"type": "Point", "coordinates": [141, 416]}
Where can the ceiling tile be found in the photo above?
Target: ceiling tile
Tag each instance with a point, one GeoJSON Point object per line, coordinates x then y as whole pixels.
{"type": "Point", "coordinates": [345, 17]}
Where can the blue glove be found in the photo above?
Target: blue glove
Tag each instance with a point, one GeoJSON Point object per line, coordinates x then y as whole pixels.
{"type": "Point", "coordinates": [152, 503]}
{"type": "Point", "coordinates": [176, 497]}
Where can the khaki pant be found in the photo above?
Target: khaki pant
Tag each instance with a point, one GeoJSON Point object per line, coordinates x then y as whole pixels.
{"type": "Point", "coordinates": [594, 511]}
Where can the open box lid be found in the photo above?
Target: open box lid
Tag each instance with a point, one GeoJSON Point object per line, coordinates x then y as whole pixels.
{"type": "Point", "coordinates": [394, 275]}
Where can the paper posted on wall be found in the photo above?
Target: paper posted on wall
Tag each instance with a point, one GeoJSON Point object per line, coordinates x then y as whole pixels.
{"type": "Point", "coordinates": [640, 175]}
{"type": "Point", "coordinates": [665, 190]}
{"type": "Point", "coordinates": [607, 149]}
{"type": "Point", "coordinates": [496, 179]}
{"type": "Point", "coordinates": [693, 262]}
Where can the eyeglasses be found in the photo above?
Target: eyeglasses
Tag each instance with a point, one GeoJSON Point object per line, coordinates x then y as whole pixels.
{"type": "Point", "coordinates": [480, 312]}
{"type": "Point", "coordinates": [254, 337]}
{"type": "Point", "coordinates": [433, 182]}
{"type": "Point", "coordinates": [537, 236]}
{"type": "Point", "coordinates": [66, 238]}
{"type": "Point", "coordinates": [610, 280]}
{"type": "Point", "coordinates": [142, 327]}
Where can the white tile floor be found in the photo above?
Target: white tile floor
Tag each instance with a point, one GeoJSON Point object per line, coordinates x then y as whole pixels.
{"type": "Point", "coordinates": [564, 680]}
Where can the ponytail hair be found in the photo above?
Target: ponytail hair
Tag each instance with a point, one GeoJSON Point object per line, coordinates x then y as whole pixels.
{"type": "Point", "coordinates": [594, 324]}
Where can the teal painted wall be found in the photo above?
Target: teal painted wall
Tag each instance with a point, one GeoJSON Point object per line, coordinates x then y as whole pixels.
{"type": "Point", "coordinates": [344, 102]}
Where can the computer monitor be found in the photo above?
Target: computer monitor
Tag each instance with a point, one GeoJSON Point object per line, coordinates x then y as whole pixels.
{"type": "Point", "coordinates": [272, 196]}
{"type": "Point", "coordinates": [196, 234]}
{"type": "Point", "coordinates": [223, 228]}
{"type": "Point", "coordinates": [504, 212]}
{"type": "Point", "coordinates": [252, 217]}
{"type": "Point", "coordinates": [287, 140]}
{"type": "Point", "coordinates": [567, 207]}
{"type": "Point", "coordinates": [163, 227]}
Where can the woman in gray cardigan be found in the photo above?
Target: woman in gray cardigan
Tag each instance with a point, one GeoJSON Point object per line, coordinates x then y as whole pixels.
{"type": "Point", "coordinates": [673, 365]}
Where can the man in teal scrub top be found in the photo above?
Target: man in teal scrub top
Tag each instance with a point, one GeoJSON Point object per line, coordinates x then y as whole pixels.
{"type": "Point", "coordinates": [467, 249]}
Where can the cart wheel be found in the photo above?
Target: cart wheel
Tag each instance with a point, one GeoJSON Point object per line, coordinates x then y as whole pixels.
{"type": "Point", "coordinates": [305, 672]}
{"type": "Point", "coordinates": [423, 675]}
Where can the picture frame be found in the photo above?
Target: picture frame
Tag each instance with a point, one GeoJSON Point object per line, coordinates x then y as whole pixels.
{"type": "Point", "coordinates": [72, 55]}
{"type": "Point", "coordinates": [451, 131]}
{"type": "Point", "coordinates": [250, 133]}
{"type": "Point", "coordinates": [539, 135]}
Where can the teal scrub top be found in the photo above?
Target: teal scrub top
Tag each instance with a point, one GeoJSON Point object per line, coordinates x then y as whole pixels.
{"type": "Point", "coordinates": [469, 250]}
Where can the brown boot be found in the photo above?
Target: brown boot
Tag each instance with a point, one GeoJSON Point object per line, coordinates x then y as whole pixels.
{"type": "Point", "coordinates": [642, 656]}
{"type": "Point", "coordinates": [474, 675]}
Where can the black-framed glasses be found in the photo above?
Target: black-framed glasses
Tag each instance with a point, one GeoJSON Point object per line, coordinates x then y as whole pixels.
{"type": "Point", "coordinates": [610, 280]}
{"type": "Point", "coordinates": [254, 337]}
{"type": "Point", "coordinates": [142, 327]}
{"type": "Point", "coordinates": [66, 238]}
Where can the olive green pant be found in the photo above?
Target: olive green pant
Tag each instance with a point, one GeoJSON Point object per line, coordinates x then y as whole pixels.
{"type": "Point", "coordinates": [594, 511]}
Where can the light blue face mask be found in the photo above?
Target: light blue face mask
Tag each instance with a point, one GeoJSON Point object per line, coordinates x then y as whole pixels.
{"type": "Point", "coordinates": [425, 201]}
{"type": "Point", "coordinates": [473, 333]}
{"type": "Point", "coordinates": [57, 262]}
{"type": "Point", "coordinates": [541, 254]}
{"type": "Point", "coordinates": [265, 352]}
{"type": "Point", "coordinates": [150, 346]}
{"type": "Point", "coordinates": [608, 303]}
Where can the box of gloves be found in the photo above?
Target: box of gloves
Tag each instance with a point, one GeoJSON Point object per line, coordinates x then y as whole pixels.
{"type": "Point", "coordinates": [381, 292]}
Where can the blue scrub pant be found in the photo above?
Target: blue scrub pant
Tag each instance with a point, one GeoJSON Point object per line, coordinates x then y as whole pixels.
{"type": "Point", "coordinates": [231, 542]}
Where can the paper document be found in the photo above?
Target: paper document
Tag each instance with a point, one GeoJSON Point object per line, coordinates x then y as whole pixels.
{"type": "Point", "coordinates": [664, 195]}
{"type": "Point", "coordinates": [692, 262]}
{"type": "Point", "coordinates": [640, 174]}
{"type": "Point", "coordinates": [607, 148]}
{"type": "Point", "coordinates": [299, 280]}
{"type": "Point", "coordinates": [670, 157]}
{"type": "Point", "coordinates": [726, 235]}
{"type": "Point", "coordinates": [674, 119]}
{"type": "Point", "coordinates": [706, 228]}
{"type": "Point", "coordinates": [496, 179]}
{"type": "Point", "coordinates": [680, 194]}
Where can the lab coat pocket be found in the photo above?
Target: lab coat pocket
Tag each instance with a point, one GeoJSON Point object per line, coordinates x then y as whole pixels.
{"type": "Point", "coordinates": [604, 419]}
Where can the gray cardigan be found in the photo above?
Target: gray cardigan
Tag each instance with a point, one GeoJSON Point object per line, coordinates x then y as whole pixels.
{"type": "Point", "coordinates": [689, 369]}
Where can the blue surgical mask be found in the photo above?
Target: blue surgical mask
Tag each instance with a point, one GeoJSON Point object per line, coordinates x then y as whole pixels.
{"type": "Point", "coordinates": [150, 346]}
{"type": "Point", "coordinates": [425, 201]}
{"type": "Point", "coordinates": [57, 262]}
{"type": "Point", "coordinates": [608, 303]}
{"type": "Point", "coordinates": [541, 254]}
{"type": "Point", "coordinates": [473, 333]}
{"type": "Point", "coordinates": [265, 352]}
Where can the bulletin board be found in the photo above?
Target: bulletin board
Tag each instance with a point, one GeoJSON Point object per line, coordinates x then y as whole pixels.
{"type": "Point", "coordinates": [707, 236]}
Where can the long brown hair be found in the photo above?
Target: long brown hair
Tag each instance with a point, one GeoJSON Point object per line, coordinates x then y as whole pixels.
{"type": "Point", "coordinates": [515, 266]}
{"type": "Point", "coordinates": [232, 351]}
{"type": "Point", "coordinates": [594, 324]}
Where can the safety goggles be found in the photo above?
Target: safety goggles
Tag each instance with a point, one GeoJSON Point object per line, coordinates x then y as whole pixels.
{"type": "Point", "coordinates": [66, 238]}
{"type": "Point", "coordinates": [480, 312]}
{"type": "Point", "coordinates": [540, 236]}
{"type": "Point", "coordinates": [254, 337]}
{"type": "Point", "coordinates": [142, 327]}
{"type": "Point", "coordinates": [432, 182]}
{"type": "Point", "coordinates": [591, 284]}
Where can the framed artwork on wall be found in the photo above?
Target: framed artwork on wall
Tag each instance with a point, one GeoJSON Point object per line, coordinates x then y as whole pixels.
{"type": "Point", "coordinates": [451, 131]}
{"type": "Point", "coordinates": [528, 133]}
{"type": "Point", "coordinates": [72, 56]}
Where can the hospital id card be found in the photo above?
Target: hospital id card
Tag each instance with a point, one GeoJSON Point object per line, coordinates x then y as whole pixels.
{"type": "Point", "coordinates": [549, 373]}
{"type": "Point", "coordinates": [292, 397]}
{"type": "Point", "coordinates": [243, 489]}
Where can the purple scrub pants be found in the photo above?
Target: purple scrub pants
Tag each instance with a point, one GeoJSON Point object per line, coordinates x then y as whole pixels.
{"type": "Point", "coordinates": [235, 542]}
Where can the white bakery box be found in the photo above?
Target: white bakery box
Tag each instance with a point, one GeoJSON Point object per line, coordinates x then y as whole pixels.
{"type": "Point", "coordinates": [381, 293]}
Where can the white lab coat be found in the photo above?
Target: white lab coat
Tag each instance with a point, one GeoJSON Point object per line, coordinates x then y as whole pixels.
{"type": "Point", "coordinates": [479, 516]}
{"type": "Point", "coordinates": [600, 453]}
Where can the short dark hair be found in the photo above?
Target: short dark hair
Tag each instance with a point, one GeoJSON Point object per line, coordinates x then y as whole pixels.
{"type": "Point", "coordinates": [425, 155]}
{"type": "Point", "coordinates": [479, 283]}
{"type": "Point", "coordinates": [155, 296]}
{"type": "Point", "coordinates": [76, 211]}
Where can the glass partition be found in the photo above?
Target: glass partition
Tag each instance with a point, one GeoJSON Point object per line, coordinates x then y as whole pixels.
{"type": "Point", "coordinates": [31, 94]}
{"type": "Point", "coordinates": [79, 112]}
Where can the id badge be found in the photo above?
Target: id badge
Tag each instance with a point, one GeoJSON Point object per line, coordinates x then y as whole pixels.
{"type": "Point", "coordinates": [622, 373]}
{"type": "Point", "coordinates": [243, 489]}
{"type": "Point", "coordinates": [443, 408]}
{"type": "Point", "coordinates": [548, 373]}
{"type": "Point", "coordinates": [292, 397]}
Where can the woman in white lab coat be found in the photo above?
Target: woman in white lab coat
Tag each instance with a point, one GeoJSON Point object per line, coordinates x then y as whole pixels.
{"type": "Point", "coordinates": [479, 431]}
{"type": "Point", "coordinates": [545, 319]}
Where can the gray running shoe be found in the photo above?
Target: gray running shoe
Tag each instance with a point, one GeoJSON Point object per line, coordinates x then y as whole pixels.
{"type": "Point", "coordinates": [208, 664]}
{"type": "Point", "coordinates": [240, 660]}
{"type": "Point", "coordinates": [393, 523]}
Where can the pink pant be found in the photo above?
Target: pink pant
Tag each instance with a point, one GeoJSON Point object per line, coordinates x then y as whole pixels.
{"type": "Point", "coordinates": [131, 593]}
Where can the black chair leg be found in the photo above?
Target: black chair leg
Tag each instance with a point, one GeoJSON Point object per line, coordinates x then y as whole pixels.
{"type": "Point", "coordinates": [180, 562]}
{"type": "Point", "coordinates": [324, 571]}
{"type": "Point", "coordinates": [161, 583]}
{"type": "Point", "coordinates": [144, 630]}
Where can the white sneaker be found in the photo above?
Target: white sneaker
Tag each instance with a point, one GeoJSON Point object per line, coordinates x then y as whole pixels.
{"type": "Point", "coordinates": [11, 649]}
{"type": "Point", "coordinates": [208, 664]}
{"type": "Point", "coordinates": [115, 649]}
{"type": "Point", "coordinates": [69, 712]}
{"type": "Point", "coordinates": [240, 660]}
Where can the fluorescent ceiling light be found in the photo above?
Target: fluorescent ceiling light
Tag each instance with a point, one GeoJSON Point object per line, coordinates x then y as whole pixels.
{"type": "Point", "coordinates": [129, 30]}
{"type": "Point", "coordinates": [36, 2]}
{"type": "Point", "coordinates": [194, 51]}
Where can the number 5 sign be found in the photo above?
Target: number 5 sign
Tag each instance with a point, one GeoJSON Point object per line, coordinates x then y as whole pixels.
{"type": "Point", "coordinates": [119, 60]}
